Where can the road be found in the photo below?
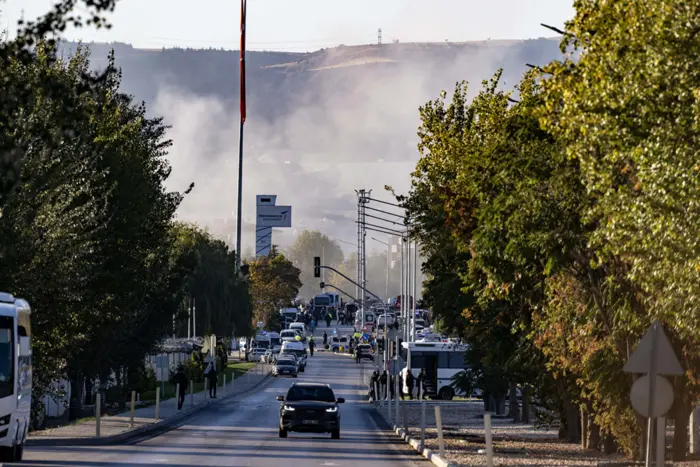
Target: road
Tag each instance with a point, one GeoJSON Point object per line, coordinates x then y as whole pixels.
{"type": "Point", "coordinates": [244, 433]}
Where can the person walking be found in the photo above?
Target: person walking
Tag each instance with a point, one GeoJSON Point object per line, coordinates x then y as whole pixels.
{"type": "Point", "coordinates": [312, 345]}
{"type": "Point", "coordinates": [213, 378]}
{"type": "Point", "coordinates": [358, 355]}
{"type": "Point", "coordinates": [325, 339]}
{"type": "Point", "coordinates": [329, 318]}
{"type": "Point", "coordinates": [421, 384]}
{"type": "Point", "coordinates": [180, 379]}
{"type": "Point", "coordinates": [374, 383]}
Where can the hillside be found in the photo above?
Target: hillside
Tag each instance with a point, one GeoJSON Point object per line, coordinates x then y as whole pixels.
{"type": "Point", "coordinates": [319, 124]}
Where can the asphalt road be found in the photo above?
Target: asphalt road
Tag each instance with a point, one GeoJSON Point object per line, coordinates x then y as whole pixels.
{"type": "Point", "coordinates": [244, 432]}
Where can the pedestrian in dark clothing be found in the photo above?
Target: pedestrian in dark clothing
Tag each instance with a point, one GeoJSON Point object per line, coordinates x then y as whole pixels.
{"type": "Point", "coordinates": [374, 382]}
{"type": "Point", "coordinates": [213, 378]}
{"type": "Point", "coordinates": [312, 345]}
{"type": "Point", "coordinates": [410, 381]}
{"type": "Point", "coordinates": [358, 355]}
{"type": "Point", "coordinates": [329, 318]}
{"type": "Point", "coordinates": [382, 383]}
{"type": "Point", "coordinates": [325, 339]}
{"type": "Point", "coordinates": [180, 379]}
{"type": "Point", "coordinates": [392, 388]}
{"type": "Point", "coordinates": [421, 384]}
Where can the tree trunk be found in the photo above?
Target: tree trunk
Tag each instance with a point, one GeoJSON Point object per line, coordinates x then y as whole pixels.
{"type": "Point", "coordinates": [573, 434]}
{"type": "Point", "coordinates": [584, 427]}
{"type": "Point", "coordinates": [594, 436]}
{"type": "Point", "coordinates": [609, 445]}
{"type": "Point", "coordinates": [526, 403]}
{"type": "Point", "coordinates": [514, 407]}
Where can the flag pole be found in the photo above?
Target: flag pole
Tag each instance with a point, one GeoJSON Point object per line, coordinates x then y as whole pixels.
{"type": "Point", "coordinates": [240, 138]}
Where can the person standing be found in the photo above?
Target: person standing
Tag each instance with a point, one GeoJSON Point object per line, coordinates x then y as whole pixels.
{"type": "Point", "coordinates": [421, 384]}
{"type": "Point", "coordinates": [312, 345]}
{"type": "Point", "coordinates": [213, 378]}
{"type": "Point", "coordinates": [325, 339]}
{"type": "Point", "coordinates": [410, 382]}
{"type": "Point", "coordinates": [180, 379]}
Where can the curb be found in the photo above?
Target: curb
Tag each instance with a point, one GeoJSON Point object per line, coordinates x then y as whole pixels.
{"type": "Point", "coordinates": [433, 457]}
{"type": "Point", "coordinates": [162, 426]}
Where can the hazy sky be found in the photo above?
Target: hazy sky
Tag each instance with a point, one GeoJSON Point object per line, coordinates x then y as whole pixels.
{"type": "Point", "coordinates": [301, 25]}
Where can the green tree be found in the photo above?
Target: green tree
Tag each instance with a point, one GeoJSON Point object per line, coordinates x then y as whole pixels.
{"type": "Point", "coordinates": [274, 284]}
{"type": "Point", "coordinates": [308, 244]}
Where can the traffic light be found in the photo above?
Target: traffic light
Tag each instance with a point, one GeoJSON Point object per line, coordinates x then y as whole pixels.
{"type": "Point", "coordinates": [380, 344]}
{"type": "Point", "coordinates": [317, 266]}
{"type": "Point", "coordinates": [322, 285]}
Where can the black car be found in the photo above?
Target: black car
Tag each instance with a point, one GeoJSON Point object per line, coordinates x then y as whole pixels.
{"type": "Point", "coordinates": [310, 408]}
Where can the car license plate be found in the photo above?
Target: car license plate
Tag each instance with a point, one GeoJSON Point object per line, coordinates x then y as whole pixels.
{"type": "Point", "coordinates": [310, 422]}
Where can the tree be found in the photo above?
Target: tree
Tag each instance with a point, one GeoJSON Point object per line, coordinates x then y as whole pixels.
{"type": "Point", "coordinates": [274, 284]}
{"type": "Point", "coordinates": [308, 244]}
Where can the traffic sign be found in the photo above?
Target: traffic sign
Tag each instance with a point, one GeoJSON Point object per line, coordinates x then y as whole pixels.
{"type": "Point", "coordinates": [663, 396]}
{"type": "Point", "coordinates": [666, 362]}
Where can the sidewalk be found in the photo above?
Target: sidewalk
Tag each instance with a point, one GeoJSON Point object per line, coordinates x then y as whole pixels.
{"type": "Point", "coordinates": [116, 428]}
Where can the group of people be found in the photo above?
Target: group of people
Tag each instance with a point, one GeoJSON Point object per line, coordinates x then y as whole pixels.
{"type": "Point", "coordinates": [408, 383]}
{"type": "Point", "coordinates": [180, 381]}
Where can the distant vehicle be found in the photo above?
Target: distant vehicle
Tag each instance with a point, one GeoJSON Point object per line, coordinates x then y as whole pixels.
{"type": "Point", "coordinates": [255, 354]}
{"type": "Point", "coordinates": [298, 350]}
{"type": "Point", "coordinates": [262, 340]}
{"type": "Point", "coordinates": [15, 375]}
{"type": "Point", "coordinates": [420, 322]}
{"type": "Point", "coordinates": [310, 408]}
{"type": "Point", "coordinates": [386, 319]}
{"type": "Point", "coordinates": [441, 362]}
{"type": "Point", "coordinates": [287, 316]}
{"type": "Point", "coordinates": [369, 320]}
{"type": "Point", "coordinates": [288, 335]}
{"type": "Point", "coordinates": [300, 328]}
{"type": "Point", "coordinates": [285, 366]}
{"type": "Point", "coordinates": [365, 352]}
{"type": "Point", "coordinates": [337, 342]}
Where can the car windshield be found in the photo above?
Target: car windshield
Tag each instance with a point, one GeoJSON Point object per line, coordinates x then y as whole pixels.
{"type": "Point", "coordinates": [285, 361]}
{"type": "Point", "coordinates": [311, 393]}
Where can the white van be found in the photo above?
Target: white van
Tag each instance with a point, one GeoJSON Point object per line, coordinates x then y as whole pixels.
{"type": "Point", "coordinates": [299, 351]}
{"type": "Point", "coordinates": [288, 335]}
{"type": "Point", "coordinates": [300, 328]}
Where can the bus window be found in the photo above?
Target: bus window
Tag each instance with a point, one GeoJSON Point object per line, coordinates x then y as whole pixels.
{"type": "Point", "coordinates": [443, 360]}
{"type": "Point", "coordinates": [7, 357]}
{"type": "Point", "coordinates": [457, 360]}
{"type": "Point", "coordinates": [417, 361]}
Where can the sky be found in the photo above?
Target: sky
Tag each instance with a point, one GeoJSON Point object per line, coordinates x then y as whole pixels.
{"type": "Point", "coordinates": [305, 25]}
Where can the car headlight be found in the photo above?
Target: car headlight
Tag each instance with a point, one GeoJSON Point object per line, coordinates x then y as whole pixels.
{"type": "Point", "coordinates": [332, 409]}
{"type": "Point", "coordinates": [289, 408]}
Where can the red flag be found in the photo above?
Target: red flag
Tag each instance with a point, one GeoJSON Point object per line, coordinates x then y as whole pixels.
{"type": "Point", "coordinates": [243, 106]}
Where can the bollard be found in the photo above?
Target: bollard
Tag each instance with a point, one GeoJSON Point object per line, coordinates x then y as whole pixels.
{"type": "Point", "coordinates": [98, 403]}
{"type": "Point", "coordinates": [489, 440]}
{"type": "Point", "coordinates": [192, 393]}
{"type": "Point", "coordinates": [133, 403]}
{"type": "Point", "coordinates": [438, 423]}
{"type": "Point", "coordinates": [157, 403]}
{"type": "Point", "coordinates": [177, 395]}
{"type": "Point", "coordinates": [396, 401]}
{"type": "Point", "coordinates": [422, 424]}
{"type": "Point", "coordinates": [223, 389]}
{"type": "Point", "coordinates": [660, 441]}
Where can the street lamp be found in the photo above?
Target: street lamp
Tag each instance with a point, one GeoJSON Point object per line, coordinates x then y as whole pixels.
{"type": "Point", "coordinates": [388, 251]}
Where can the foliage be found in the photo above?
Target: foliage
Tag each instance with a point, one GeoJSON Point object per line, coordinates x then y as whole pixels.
{"type": "Point", "coordinates": [559, 226]}
{"type": "Point", "coordinates": [274, 284]}
{"type": "Point", "coordinates": [308, 244]}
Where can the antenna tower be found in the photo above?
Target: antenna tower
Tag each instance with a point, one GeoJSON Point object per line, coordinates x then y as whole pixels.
{"type": "Point", "coordinates": [379, 36]}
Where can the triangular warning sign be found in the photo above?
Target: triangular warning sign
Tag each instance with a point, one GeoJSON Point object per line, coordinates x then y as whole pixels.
{"type": "Point", "coordinates": [666, 361]}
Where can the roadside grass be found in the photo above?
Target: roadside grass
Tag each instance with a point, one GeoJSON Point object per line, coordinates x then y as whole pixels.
{"type": "Point", "coordinates": [236, 369]}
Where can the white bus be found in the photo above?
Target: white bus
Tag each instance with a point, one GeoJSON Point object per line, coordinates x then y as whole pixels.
{"type": "Point", "coordinates": [15, 376]}
{"type": "Point", "coordinates": [441, 361]}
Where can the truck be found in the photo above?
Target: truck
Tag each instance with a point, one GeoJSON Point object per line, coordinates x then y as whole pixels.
{"type": "Point", "coordinates": [15, 376]}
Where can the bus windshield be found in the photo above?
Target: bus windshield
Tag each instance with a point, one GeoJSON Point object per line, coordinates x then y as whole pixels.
{"type": "Point", "coordinates": [7, 357]}
{"type": "Point", "coordinates": [322, 300]}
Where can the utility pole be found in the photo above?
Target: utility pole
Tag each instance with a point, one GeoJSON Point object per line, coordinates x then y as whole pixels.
{"type": "Point", "coordinates": [239, 217]}
{"type": "Point", "coordinates": [415, 279]}
{"type": "Point", "coordinates": [379, 36]}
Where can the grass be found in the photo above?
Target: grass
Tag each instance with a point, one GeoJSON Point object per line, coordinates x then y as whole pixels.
{"type": "Point", "coordinates": [236, 369]}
